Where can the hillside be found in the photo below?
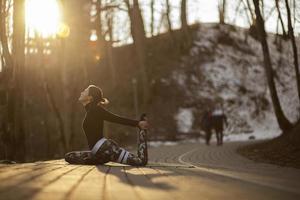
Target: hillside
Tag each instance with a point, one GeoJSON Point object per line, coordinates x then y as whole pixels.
{"type": "Point", "coordinates": [221, 64]}
{"type": "Point", "coordinates": [226, 65]}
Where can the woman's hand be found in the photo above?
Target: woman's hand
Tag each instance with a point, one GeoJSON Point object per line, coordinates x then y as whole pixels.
{"type": "Point", "coordinates": [143, 124]}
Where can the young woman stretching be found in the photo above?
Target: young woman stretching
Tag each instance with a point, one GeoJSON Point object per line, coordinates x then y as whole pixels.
{"type": "Point", "coordinates": [103, 150]}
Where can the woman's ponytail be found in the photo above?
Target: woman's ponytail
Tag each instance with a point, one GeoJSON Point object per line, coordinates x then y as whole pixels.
{"type": "Point", "coordinates": [97, 95]}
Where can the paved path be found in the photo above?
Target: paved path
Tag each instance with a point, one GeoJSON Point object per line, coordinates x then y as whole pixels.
{"type": "Point", "coordinates": [184, 171]}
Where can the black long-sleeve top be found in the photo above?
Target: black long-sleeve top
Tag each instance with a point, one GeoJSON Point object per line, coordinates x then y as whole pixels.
{"type": "Point", "coordinates": [93, 122]}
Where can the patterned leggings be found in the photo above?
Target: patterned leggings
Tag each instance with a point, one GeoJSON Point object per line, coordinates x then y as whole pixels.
{"type": "Point", "coordinates": [106, 150]}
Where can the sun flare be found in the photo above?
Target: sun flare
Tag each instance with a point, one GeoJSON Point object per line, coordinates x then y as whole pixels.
{"type": "Point", "coordinates": [43, 17]}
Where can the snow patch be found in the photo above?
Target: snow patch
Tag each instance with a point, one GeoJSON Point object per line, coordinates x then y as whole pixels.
{"type": "Point", "coordinates": [185, 119]}
{"type": "Point", "coordinates": [161, 143]}
{"type": "Point", "coordinates": [256, 135]}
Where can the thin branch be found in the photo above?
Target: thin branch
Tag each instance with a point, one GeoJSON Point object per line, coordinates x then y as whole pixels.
{"type": "Point", "coordinates": [270, 13]}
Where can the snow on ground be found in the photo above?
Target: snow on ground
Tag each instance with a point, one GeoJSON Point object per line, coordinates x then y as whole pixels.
{"type": "Point", "coordinates": [184, 119]}
{"type": "Point", "coordinates": [230, 70]}
{"type": "Point", "coordinates": [161, 143]}
{"type": "Point", "coordinates": [257, 135]}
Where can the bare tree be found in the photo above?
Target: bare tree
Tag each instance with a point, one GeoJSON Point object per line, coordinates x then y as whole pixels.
{"type": "Point", "coordinates": [3, 34]}
{"type": "Point", "coordinates": [7, 119]}
{"type": "Point", "coordinates": [139, 38]}
{"type": "Point", "coordinates": [78, 19]}
{"type": "Point", "coordinates": [57, 113]}
{"type": "Point", "coordinates": [250, 17]}
{"type": "Point", "coordinates": [294, 12]}
{"type": "Point", "coordinates": [152, 4]}
{"type": "Point", "coordinates": [99, 29]}
{"type": "Point", "coordinates": [283, 122]}
{"type": "Point", "coordinates": [168, 12]}
{"type": "Point", "coordinates": [236, 11]}
{"type": "Point", "coordinates": [277, 39]}
{"type": "Point", "coordinates": [104, 46]}
{"type": "Point", "coordinates": [18, 77]}
{"type": "Point", "coordinates": [183, 16]}
{"type": "Point", "coordinates": [49, 96]}
{"type": "Point", "coordinates": [251, 10]}
{"type": "Point", "coordinates": [110, 19]}
{"type": "Point", "coordinates": [293, 41]}
{"type": "Point", "coordinates": [280, 18]}
{"type": "Point", "coordinates": [222, 11]}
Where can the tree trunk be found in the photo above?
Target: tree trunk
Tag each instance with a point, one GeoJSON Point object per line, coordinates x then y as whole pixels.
{"type": "Point", "coordinates": [7, 65]}
{"type": "Point", "coordinates": [49, 95]}
{"type": "Point", "coordinates": [277, 39]}
{"type": "Point", "coordinates": [222, 11]}
{"type": "Point", "coordinates": [72, 116]}
{"type": "Point", "coordinates": [152, 17]}
{"type": "Point", "coordinates": [3, 36]}
{"type": "Point", "coordinates": [58, 116]}
{"type": "Point", "coordinates": [250, 10]}
{"type": "Point", "coordinates": [183, 16]}
{"type": "Point", "coordinates": [293, 41]}
{"type": "Point", "coordinates": [280, 18]}
{"type": "Point", "coordinates": [283, 122]}
{"type": "Point", "coordinates": [109, 49]}
{"type": "Point", "coordinates": [168, 11]}
{"type": "Point", "coordinates": [101, 43]}
{"type": "Point", "coordinates": [139, 38]}
{"type": "Point", "coordinates": [294, 11]}
{"type": "Point", "coordinates": [18, 76]}
{"type": "Point", "coordinates": [78, 41]}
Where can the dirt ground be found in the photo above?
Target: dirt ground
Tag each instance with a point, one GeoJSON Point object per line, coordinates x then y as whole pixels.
{"type": "Point", "coordinates": [278, 151]}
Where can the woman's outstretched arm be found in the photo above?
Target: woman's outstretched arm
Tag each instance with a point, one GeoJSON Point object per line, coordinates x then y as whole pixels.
{"type": "Point", "coordinates": [109, 116]}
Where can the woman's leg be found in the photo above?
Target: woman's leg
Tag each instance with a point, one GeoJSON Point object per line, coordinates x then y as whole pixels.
{"type": "Point", "coordinates": [83, 158]}
{"type": "Point", "coordinates": [94, 157]}
{"type": "Point", "coordinates": [142, 146]}
{"type": "Point", "coordinates": [111, 150]}
{"type": "Point", "coordinates": [142, 153]}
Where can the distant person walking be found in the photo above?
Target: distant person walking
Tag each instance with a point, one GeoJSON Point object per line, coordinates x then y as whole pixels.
{"type": "Point", "coordinates": [206, 125]}
{"type": "Point", "coordinates": [218, 119]}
